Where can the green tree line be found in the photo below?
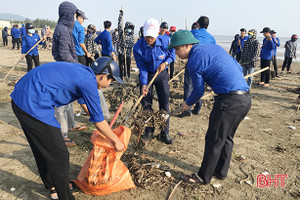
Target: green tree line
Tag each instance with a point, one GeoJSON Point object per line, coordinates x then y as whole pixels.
{"type": "Point", "coordinates": [38, 23]}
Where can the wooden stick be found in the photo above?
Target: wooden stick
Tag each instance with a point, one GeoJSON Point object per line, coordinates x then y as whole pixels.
{"type": "Point", "coordinates": [141, 97]}
{"type": "Point", "coordinates": [174, 189]}
{"type": "Point", "coordinates": [21, 59]}
{"type": "Point", "coordinates": [177, 75]}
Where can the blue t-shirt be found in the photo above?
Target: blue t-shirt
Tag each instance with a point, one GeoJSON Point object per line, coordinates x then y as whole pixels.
{"type": "Point", "coordinates": [28, 42]}
{"type": "Point", "coordinates": [149, 58]}
{"type": "Point", "coordinates": [78, 35]}
{"type": "Point", "coordinates": [276, 44]}
{"type": "Point", "coordinates": [211, 64]}
{"type": "Point", "coordinates": [243, 40]}
{"type": "Point", "coordinates": [56, 84]}
{"type": "Point", "coordinates": [104, 38]}
{"type": "Point", "coordinates": [267, 49]}
{"type": "Point", "coordinates": [23, 31]}
{"type": "Point", "coordinates": [203, 36]}
{"type": "Point", "coordinates": [15, 32]}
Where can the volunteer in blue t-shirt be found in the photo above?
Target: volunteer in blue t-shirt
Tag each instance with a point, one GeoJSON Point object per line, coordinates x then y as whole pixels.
{"type": "Point", "coordinates": [211, 64]}
{"type": "Point", "coordinates": [28, 41]}
{"type": "Point", "coordinates": [240, 43]}
{"type": "Point", "coordinates": [104, 38]}
{"type": "Point", "coordinates": [53, 85]}
{"type": "Point", "coordinates": [151, 55]}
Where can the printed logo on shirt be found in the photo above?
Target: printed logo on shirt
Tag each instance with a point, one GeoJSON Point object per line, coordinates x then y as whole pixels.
{"type": "Point", "coordinates": [162, 56]}
{"type": "Point", "coordinates": [35, 39]}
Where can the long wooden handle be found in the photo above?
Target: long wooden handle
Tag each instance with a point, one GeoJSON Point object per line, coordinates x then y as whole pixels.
{"type": "Point", "coordinates": [21, 59]}
{"type": "Point", "coordinates": [141, 97]}
{"type": "Point", "coordinates": [177, 75]}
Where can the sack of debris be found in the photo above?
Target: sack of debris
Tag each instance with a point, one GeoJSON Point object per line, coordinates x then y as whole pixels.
{"type": "Point", "coordinates": [104, 172]}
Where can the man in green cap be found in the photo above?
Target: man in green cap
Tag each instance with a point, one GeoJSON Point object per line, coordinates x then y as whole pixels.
{"type": "Point", "coordinates": [211, 64]}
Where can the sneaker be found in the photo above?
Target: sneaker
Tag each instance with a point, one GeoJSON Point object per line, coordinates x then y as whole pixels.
{"type": "Point", "coordinates": [185, 114]}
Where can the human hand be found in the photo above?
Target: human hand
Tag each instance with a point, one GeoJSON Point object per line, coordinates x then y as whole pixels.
{"type": "Point", "coordinates": [88, 55]}
{"type": "Point", "coordinates": [45, 37]}
{"type": "Point", "coordinates": [184, 106]}
{"type": "Point", "coordinates": [144, 90]}
{"type": "Point", "coordinates": [161, 67]}
{"type": "Point", "coordinates": [119, 146]}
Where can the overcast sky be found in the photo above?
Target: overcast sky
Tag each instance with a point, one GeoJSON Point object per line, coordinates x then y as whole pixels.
{"type": "Point", "coordinates": [226, 16]}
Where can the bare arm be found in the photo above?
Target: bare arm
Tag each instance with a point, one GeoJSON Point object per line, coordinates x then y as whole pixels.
{"type": "Point", "coordinates": [104, 128]}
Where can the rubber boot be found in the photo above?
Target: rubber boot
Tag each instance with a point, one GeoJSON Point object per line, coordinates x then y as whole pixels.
{"type": "Point", "coordinates": [166, 138]}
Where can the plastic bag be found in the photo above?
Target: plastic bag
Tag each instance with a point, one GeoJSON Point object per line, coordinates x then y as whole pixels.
{"type": "Point", "coordinates": [104, 105]}
{"type": "Point", "coordinates": [103, 172]}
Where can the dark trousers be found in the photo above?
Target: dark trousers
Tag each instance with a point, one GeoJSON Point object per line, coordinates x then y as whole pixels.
{"type": "Point", "coordinates": [16, 41]}
{"type": "Point", "coordinates": [162, 89]}
{"type": "Point", "coordinates": [29, 59]}
{"type": "Point", "coordinates": [227, 113]}
{"type": "Point", "coordinates": [81, 59]}
{"type": "Point", "coordinates": [287, 63]}
{"type": "Point", "coordinates": [265, 75]}
{"type": "Point", "coordinates": [50, 152]}
{"type": "Point", "coordinates": [124, 67]}
{"type": "Point", "coordinates": [5, 41]}
{"type": "Point", "coordinates": [274, 61]}
{"type": "Point", "coordinates": [171, 70]}
{"type": "Point", "coordinates": [238, 56]}
{"type": "Point", "coordinates": [89, 61]}
{"type": "Point", "coordinates": [188, 88]}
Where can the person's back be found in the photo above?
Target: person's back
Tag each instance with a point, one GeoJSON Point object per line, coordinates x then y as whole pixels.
{"type": "Point", "coordinates": [201, 34]}
{"type": "Point", "coordinates": [60, 87]}
{"type": "Point", "coordinates": [63, 48]}
{"type": "Point", "coordinates": [290, 49]}
{"type": "Point", "coordinates": [218, 64]}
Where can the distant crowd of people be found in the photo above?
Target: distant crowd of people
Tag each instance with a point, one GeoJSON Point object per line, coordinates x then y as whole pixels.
{"type": "Point", "coordinates": [247, 50]}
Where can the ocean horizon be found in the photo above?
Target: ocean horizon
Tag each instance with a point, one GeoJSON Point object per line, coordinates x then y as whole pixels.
{"type": "Point", "coordinates": [225, 42]}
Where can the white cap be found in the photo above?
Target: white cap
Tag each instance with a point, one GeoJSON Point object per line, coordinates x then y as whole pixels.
{"type": "Point", "coordinates": [151, 28]}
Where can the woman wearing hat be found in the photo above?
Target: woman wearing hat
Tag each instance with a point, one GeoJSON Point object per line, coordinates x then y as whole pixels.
{"type": "Point", "coordinates": [91, 45]}
{"type": "Point", "coordinates": [211, 64]}
{"type": "Point", "coordinates": [28, 41]}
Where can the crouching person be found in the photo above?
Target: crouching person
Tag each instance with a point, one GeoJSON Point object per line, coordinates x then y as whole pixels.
{"type": "Point", "coordinates": [211, 64]}
{"type": "Point", "coordinates": [53, 85]}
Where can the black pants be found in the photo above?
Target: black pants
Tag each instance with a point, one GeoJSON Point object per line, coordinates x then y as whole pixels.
{"type": "Point", "coordinates": [287, 63]}
{"type": "Point", "coordinates": [29, 59]}
{"type": "Point", "coordinates": [162, 88]}
{"type": "Point", "coordinates": [89, 61]}
{"type": "Point", "coordinates": [16, 41]}
{"type": "Point", "coordinates": [227, 113]}
{"type": "Point", "coordinates": [50, 152]}
{"type": "Point", "coordinates": [265, 75]}
{"type": "Point", "coordinates": [171, 69]}
{"type": "Point", "coordinates": [274, 61]}
{"type": "Point", "coordinates": [238, 57]}
{"type": "Point", "coordinates": [81, 59]}
{"type": "Point", "coordinates": [124, 67]}
{"type": "Point", "coordinates": [5, 41]}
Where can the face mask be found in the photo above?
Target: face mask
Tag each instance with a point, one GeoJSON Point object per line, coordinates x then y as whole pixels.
{"type": "Point", "coordinates": [250, 36]}
{"type": "Point", "coordinates": [31, 31]}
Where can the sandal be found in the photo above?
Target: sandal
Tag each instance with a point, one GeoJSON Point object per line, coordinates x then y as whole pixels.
{"type": "Point", "coordinates": [69, 142]}
{"type": "Point", "coordinates": [53, 191]}
{"type": "Point", "coordinates": [78, 128]}
{"type": "Point", "coordinates": [193, 178]}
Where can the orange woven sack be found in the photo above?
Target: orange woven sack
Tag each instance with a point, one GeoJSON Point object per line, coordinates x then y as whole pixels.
{"type": "Point", "coordinates": [103, 172]}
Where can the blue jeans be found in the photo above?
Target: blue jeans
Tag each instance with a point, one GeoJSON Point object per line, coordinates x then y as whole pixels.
{"type": "Point", "coordinates": [246, 71]}
{"type": "Point", "coordinates": [188, 88]}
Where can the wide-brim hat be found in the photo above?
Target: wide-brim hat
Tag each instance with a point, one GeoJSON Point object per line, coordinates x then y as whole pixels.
{"type": "Point", "coordinates": [182, 37]}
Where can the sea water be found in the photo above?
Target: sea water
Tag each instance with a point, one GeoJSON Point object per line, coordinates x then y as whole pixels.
{"type": "Point", "coordinates": [225, 42]}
